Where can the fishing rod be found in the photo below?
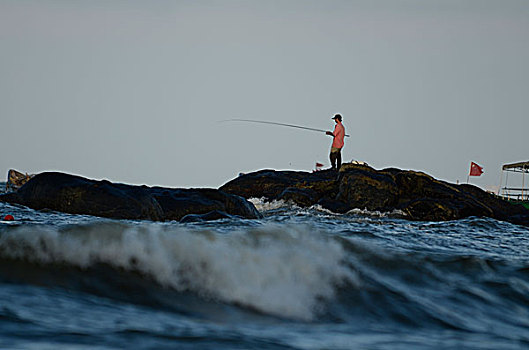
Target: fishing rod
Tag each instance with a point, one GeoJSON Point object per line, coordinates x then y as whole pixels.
{"type": "Point", "coordinates": [274, 123]}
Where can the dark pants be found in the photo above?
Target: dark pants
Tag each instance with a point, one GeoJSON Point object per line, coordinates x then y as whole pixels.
{"type": "Point", "coordinates": [336, 155]}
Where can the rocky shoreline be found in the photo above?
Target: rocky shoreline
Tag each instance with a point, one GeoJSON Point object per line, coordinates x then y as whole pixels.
{"type": "Point", "coordinates": [416, 195]}
{"type": "Point", "coordinates": [78, 195]}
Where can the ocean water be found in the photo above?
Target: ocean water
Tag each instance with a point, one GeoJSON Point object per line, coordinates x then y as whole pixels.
{"type": "Point", "coordinates": [296, 279]}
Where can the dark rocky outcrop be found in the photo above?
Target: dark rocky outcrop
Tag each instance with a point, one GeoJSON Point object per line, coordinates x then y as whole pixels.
{"type": "Point", "coordinates": [78, 195]}
{"type": "Point", "coordinates": [415, 194]}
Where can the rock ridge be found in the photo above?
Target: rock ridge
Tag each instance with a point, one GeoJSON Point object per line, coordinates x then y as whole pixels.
{"type": "Point", "coordinates": [417, 195]}
{"type": "Point", "coordinates": [78, 195]}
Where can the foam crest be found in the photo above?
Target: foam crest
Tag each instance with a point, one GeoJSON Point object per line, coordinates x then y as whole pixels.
{"type": "Point", "coordinates": [376, 213]}
{"type": "Point", "coordinates": [285, 271]}
{"type": "Point", "coordinates": [262, 204]}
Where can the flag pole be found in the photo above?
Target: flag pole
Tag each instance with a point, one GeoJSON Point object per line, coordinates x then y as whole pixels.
{"type": "Point", "coordinates": [501, 182]}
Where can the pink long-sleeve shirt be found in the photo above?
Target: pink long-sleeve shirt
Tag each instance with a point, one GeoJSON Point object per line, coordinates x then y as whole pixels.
{"type": "Point", "coordinates": [339, 134]}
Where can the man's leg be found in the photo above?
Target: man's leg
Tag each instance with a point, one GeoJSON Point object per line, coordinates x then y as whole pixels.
{"type": "Point", "coordinates": [339, 158]}
{"type": "Point", "coordinates": [332, 157]}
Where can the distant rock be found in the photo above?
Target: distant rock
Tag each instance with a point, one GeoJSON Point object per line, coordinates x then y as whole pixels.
{"type": "Point", "coordinates": [15, 180]}
{"type": "Point", "coordinates": [77, 195]}
{"type": "Point", "coordinates": [415, 194]}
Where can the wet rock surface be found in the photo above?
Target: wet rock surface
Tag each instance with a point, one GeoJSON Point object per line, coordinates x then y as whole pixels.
{"type": "Point", "coordinates": [77, 195]}
{"type": "Point", "coordinates": [416, 195]}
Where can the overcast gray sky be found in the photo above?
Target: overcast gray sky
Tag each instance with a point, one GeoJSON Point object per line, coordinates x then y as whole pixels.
{"type": "Point", "coordinates": [132, 91]}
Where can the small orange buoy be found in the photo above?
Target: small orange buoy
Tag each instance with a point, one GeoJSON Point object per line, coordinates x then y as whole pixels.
{"type": "Point", "coordinates": [9, 218]}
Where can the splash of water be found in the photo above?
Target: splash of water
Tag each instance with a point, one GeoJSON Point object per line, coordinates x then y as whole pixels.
{"type": "Point", "coordinates": [285, 271]}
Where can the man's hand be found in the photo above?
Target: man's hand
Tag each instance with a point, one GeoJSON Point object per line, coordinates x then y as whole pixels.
{"type": "Point", "coordinates": [329, 133]}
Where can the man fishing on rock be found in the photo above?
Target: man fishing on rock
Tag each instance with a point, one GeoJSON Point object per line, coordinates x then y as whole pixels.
{"type": "Point", "coordinates": [338, 134]}
{"type": "Point", "coordinates": [337, 144]}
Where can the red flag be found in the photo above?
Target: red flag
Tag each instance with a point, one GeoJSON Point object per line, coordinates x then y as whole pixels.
{"type": "Point", "coordinates": [318, 167]}
{"type": "Point", "coordinates": [475, 170]}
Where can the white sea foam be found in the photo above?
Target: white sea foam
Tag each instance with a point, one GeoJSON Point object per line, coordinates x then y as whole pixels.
{"type": "Point", "coordinates": [322, 209]}
{"type": "Point", "coordinates": [262, 204]}
{"type": "Point", "coordinates": [376, 213]}
{"type": "Point", "coordinates": [285, 271]}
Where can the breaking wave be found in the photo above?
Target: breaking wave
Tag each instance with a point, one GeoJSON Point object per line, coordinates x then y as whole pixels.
{"type": "Point", "coordinates": [282, 271]}
{"type": "Point", "coordinates": [263, 205]}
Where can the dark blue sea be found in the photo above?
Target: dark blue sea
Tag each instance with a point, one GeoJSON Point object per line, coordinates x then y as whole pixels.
{"type": "Point", "coordinates": [296, 279]}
